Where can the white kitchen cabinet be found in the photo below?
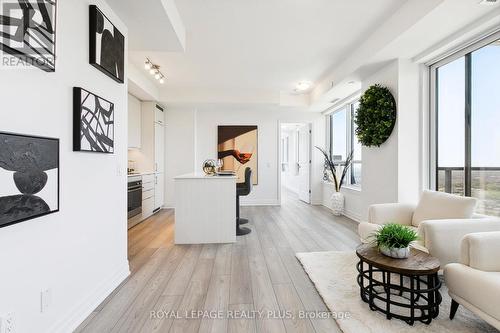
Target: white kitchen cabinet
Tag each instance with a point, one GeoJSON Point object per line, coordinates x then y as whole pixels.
{"type": "Point", "coordinates": [134, 122]}
{"type": "Point", "coordinates": [159, 114]}
{"type": "Point", "coordinates": [159, 190]}
{"type": "Point", "coordinates": [153, 146]}
{"type": "Point", "coordinates": [159, 147]}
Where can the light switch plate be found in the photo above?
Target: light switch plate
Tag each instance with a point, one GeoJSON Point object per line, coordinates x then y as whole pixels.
{"type": "Point", "coordinates": [6, 323]}
{"type": "Point", "coordinates": [45, 300]}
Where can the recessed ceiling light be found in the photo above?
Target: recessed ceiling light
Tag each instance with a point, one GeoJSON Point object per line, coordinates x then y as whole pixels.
{"type": "Point", "coordinates": [303, 85]}
{"type": "Point", "coordinates": [488, 2]}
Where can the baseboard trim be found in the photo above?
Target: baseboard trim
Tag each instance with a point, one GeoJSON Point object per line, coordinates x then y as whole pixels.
{"type": "Point", "coordinates": [349, 214]}
{"type": "Point", "coordinates": [82, 310]}
{"type": "Point", "coordinates": [260, 203]}
{"type": "Point", "coordinates": [353, 216]}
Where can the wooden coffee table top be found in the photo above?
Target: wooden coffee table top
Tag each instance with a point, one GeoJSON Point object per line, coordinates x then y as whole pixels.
{"type": "Point", "coordinates": [418, 263]}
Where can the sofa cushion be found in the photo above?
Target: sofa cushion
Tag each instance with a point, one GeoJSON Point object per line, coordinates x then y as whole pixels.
{"type": "Point", "coordinates": [439, 205]}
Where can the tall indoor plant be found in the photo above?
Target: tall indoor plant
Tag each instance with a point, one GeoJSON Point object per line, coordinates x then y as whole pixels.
{"type": "Point", "coordinates": [337, 197]}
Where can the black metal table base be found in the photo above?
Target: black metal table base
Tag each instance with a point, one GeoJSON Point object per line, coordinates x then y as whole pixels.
{"type": "Point", "coordinates": [409, 298]}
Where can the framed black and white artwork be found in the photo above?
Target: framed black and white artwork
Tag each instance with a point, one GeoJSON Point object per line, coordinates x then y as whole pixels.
{"type": "Point", "coordinates": [93, 122]}
{"type": "Point", "coordinates": [29, 174]}
{"type": "Point", "coordinates": [107, 45]}
{"type": "Point", "coordinates": [28, 33]}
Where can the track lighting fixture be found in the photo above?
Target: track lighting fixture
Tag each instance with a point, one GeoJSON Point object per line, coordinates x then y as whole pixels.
{"type": "Point", "coordinates": [154, 70]}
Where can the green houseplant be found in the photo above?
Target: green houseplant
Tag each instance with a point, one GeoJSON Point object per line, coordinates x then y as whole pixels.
{"type": "Point", "coordinates": [393, 240]}
{"type": "Point", "coordinates": [337, 197]}
{"type": "Point", "coordinates": [376, 116]}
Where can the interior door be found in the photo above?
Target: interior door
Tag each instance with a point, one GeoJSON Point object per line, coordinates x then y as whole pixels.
{"type": "Point", "coordinates": [304, 162]}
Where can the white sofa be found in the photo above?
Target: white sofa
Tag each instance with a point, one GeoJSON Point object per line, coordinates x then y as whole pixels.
{"type": "Point", "coordinates": [441, 220]}
{"type": "Point", "coordinates": [475, 282]}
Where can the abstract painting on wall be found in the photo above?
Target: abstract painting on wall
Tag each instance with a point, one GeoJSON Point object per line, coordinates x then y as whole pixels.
{"type": "Point", "coordinates": [237, 147]}
{"type": "Point", "coordinates": [29, 174]}
{"type": "Point", "coordinates": [93, 122]}
{"type": "Point", "coordinates": [28, 32]}
{"type": "Point", "coordinates": [107, 45]}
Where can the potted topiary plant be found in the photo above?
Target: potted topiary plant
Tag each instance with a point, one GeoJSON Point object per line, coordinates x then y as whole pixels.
{"type": "Point", "coordinates": [393, 240]}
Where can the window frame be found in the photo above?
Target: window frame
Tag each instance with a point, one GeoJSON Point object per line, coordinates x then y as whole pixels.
{"type": "Point", "coordinates": [348, 106]}
{"type": "Point", "coordinates": [433, 111]}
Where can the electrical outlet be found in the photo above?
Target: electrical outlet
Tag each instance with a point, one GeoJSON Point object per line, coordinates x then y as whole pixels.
{"type": "Point", "coordinates": [7, 323]}
{"type": "Point", "coordinates": [45, 300]}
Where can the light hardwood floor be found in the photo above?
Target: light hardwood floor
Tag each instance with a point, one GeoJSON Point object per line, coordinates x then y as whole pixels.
{"type": "Point", "coordinates": [257, 273]}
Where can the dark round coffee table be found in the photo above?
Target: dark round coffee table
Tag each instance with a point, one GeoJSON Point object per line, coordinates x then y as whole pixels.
{"type": "Point", "coordinates": [406, 289]}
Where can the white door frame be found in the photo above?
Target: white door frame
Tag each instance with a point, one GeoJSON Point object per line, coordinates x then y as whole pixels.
{"type": "Point", "coordinates": [281, 122]}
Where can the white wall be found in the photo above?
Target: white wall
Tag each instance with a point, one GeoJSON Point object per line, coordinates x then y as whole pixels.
{"type": "Point", "coordinates": [391, 172]}
{"type": "Point", "coordinates": [79, 253]}
{"type": "Point", "coordinates": [191, 138]}
{"type": "Point", "coordinates": [410, 132]}
{"type": "Point", "coordinates": [380, 164]}
{"type": "Point", "coordinates": [180, 147]}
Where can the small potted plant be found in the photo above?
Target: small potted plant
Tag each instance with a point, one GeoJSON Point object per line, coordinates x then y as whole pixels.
{"type": "Point", "coordinates": [393, 240]}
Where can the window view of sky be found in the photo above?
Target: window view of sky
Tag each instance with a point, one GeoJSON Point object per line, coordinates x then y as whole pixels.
{"type": "Point", "coordinates": [485, 110]}
{"type": "Point", "coordinates": [451, 106]}
{"type": "Point", "coordinates": [339, 133]}
{"type": "Point", "coordinates": [486, 107]}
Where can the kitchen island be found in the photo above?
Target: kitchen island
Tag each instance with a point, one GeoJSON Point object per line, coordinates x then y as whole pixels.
{"type": "Point", "coordinates": [205, 209]}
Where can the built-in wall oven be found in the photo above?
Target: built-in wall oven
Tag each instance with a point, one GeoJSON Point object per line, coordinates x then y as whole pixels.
{"type": "Point", "coordinates": [134, 196]}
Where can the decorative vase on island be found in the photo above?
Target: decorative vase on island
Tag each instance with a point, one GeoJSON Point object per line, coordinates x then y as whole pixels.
{"type": "Point", "coordinates": [396, 253]}
{"type": "Point", "coordinates": [337, 203]}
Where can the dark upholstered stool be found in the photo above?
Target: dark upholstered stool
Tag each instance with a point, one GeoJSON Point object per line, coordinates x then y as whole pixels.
{"type": "Point", "coordinates": [243, 189]}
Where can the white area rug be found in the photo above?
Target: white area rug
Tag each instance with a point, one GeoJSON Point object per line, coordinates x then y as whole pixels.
{"type": "Point", "coordinates": [334, 275]}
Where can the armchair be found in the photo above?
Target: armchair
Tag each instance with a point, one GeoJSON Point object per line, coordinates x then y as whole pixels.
{"type": "Point", "coordinates": [440, 219]}
{"type": "Point", "coordinates": [475, 282]}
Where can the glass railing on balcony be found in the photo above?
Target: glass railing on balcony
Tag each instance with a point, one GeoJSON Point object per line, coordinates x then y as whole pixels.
{"type": "Point", "coordinates": [485, 186]}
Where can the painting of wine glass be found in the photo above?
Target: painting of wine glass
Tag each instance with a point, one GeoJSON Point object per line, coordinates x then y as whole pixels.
{"type": "Point", "coordinates": [237, 148]}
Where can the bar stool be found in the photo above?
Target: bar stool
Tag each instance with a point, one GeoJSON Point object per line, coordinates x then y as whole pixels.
{"type": "Point", "coordinates": [243, 189]}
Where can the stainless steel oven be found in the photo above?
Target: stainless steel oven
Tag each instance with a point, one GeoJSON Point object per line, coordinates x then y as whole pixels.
{"type": "Point", "coordinates": [134, 196]}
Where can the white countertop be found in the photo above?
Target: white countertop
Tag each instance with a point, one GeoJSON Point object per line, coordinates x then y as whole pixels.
{"type": "Point", "coordinates": [199, 175]}
{"type": "Point", "coordinates": [140, 174]}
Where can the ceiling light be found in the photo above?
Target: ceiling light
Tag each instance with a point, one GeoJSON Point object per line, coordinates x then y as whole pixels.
{"type": "Point", "coordinates": [303, 85]}
{"type": "Point", "coordinates": [351, 82]}
{"type": "Point", "coordinates": [154, 70]}
{"type": "Point", "coordinates": [488, 2]}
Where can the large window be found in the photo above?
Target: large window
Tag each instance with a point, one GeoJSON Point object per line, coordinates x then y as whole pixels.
{"type": "Point", "coordinates": [343, 141]}
{"type": "Point", "coordinates": [466, 108]}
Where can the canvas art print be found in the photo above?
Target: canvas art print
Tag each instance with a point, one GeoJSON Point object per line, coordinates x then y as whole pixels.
{"type": "Point", "coordinates": [93, 122]}
{"type": "Point", "coordinates": [237, 147]}
{"type": "Point", "coordinates": [28, 32]}
{"type": "Point", "coordinates": [107, 45]}
{"type": "Point", "coordinates": [29, 174]}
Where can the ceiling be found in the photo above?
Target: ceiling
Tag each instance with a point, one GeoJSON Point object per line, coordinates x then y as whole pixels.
{"type": "Point", "coordinates": [243, 52]}
{"type": "Point", "coordinates": [257, 49]}
{"type": "Point", "coordinates": [145, 18]}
